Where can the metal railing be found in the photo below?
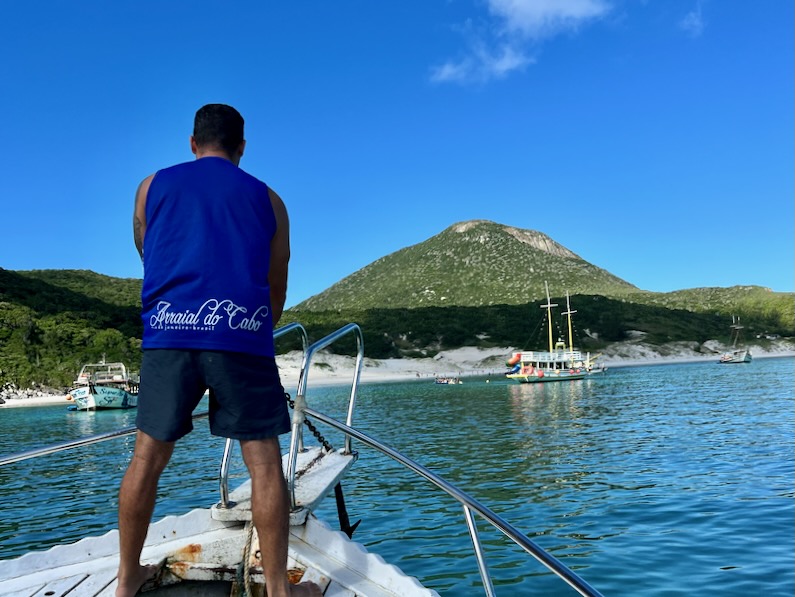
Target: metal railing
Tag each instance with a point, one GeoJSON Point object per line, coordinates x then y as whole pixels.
{"type": "Point", "coordinates": [77, 443]}
{"type": "Point", "coordinates": [227, 456]}
{"type": "Point", "coordinates": [299, 410]}
{"type": "Point", "coordinates": [551, 357]}
{"type": "Point", "coordinates": [470, 505]}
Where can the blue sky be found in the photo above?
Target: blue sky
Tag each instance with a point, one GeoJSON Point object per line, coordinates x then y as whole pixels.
{"type": "Point", "coordinates": [654, 138]}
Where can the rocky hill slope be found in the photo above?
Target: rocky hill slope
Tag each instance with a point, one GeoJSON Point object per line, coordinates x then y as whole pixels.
{"type": "Point", "coordinates": [470, 264]}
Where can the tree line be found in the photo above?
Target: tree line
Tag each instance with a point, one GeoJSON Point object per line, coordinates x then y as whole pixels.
{"type": "Point", "coordinates": [54, 321]}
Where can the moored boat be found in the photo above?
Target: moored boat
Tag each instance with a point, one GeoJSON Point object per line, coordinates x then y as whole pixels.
{"type": "Point", "coordinates": [448, 380]}
{"type": "Point", "coordinates": [561, 362]}
{"type": "Point", "coordinates": [104, 386]}
{"type": "Point", "coordinates": [736, 354]}
{"type": "Point", "coordinates": [212, 551]}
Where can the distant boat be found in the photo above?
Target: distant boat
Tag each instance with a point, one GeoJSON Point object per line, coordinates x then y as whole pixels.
{"type": "Point", "coordinates": [448, 380]}
{"type": "Point", "coordinates": [737, 354]}
{"type": "Point", "coordinates": [103, 386]}
{"type": "Point", "coordinates": [559, 363]}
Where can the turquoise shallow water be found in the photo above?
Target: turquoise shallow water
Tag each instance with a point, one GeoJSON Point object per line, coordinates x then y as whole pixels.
{"type": "Point", "coordinates": [661, 480]}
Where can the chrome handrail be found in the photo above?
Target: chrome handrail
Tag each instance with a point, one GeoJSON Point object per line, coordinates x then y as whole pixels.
{"type": "Point", "coordinates": [470, 504]}
{"type": "Point", "coordinates": [296, 437]}
{"type": "Point", "coordinates": [226, 458]}
{"type": "Point", "coordinates": [77, 443]}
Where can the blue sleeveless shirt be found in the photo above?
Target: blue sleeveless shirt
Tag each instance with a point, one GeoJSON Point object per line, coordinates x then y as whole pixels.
{"type": "Point", "coordinates": [209, 227]}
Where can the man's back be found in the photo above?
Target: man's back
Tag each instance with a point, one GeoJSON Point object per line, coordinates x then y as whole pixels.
{"type": "Point", "coordinates": [206, 256]}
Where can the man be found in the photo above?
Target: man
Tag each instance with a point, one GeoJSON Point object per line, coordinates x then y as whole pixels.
{"type": "Point", "coordinates": [215, 246]}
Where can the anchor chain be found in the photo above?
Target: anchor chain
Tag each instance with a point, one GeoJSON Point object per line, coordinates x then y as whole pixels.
{"type": "Point", "coordinates": [342, 512]}
{"type": "Point", "coordinates": [319, 436]}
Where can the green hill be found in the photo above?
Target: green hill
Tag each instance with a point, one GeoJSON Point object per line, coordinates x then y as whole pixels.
{"type": "Point", "coordinates": [470, 264]}
{"type": "Point", "coordinates": [458, 288]}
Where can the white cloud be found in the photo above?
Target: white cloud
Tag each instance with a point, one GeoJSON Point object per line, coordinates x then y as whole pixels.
{"type": "Point", "coordinates": [515, 26]}
{"type": "Point", "coordinates": [537, 19]}
{"type": "Point", "coordinates": [693, 22]}
{"type": "Point", "coordinates": [482, 64]}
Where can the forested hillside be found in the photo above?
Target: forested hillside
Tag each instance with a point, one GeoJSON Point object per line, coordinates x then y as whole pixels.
{"type": "Point", "coordinates": [54, 321]}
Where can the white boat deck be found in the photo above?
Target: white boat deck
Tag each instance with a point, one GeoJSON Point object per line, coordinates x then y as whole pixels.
{"type": "Point", "coordinates": [201, 553]}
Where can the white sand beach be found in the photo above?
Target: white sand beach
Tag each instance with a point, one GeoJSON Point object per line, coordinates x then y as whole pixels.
{"type": "Point", "coordinates": [44, 400]}
{"type": "Point", "coordinates": [331, 369]}
{"type": "Point", "coordinates": [470, 361]}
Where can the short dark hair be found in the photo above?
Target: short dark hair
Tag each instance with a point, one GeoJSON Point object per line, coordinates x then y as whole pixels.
{"type": "Point", "coordinates": [218, 125]}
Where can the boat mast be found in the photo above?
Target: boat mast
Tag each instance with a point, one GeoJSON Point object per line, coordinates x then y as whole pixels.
{"type": "Point", "coordinates": [736, 327]}
{"type": "Point", "coordinates": [569, 313]}
{"type": "Point", "coordinates": [548, 307]}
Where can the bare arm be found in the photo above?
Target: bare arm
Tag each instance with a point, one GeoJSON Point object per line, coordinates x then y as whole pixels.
{"type": "Point", "coordinates": [280, 257]}
{"type": "Point", "coordinates": [139, 214]}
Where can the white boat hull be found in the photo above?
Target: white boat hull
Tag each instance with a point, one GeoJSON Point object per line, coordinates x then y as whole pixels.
{"type": "Point", "coordinates": [102, 397]}
{"type": "Point", "coordinates": [735, 356]}
{"type": "Point", "coordinates": [207, 546]}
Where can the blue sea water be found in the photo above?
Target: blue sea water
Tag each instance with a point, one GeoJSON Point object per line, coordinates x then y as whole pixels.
{"type": "Point", "coordinates": [656, 481]}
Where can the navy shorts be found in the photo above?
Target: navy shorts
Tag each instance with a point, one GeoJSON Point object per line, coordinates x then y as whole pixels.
{"type": "Point", "coordinates": [247, 399]}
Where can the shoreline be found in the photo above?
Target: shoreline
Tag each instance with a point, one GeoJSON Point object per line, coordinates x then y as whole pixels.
{"type": "Point", "coordinates": [375, 371]}
{"type": "Point", "coordinates": [334, 370]}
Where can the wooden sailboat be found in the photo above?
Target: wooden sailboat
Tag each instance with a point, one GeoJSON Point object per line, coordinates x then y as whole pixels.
{"type": "Point", "coordinates": [561, 362]}
{"type": "Point", "coordinates": [737, 354]}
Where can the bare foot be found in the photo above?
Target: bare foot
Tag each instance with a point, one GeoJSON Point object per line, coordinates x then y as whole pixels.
{"type": "Point", "coordinates": [130, 584]}
{"type": "Point", "coordinates": [305, 589]}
